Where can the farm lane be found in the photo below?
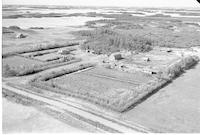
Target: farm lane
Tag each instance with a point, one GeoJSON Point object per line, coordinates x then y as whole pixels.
{"type": "Point", "coordinates": [75, 110]}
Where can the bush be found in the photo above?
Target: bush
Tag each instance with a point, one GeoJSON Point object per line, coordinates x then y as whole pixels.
{"type": "Point", "coordinates": [8, 71]}
{"type": "Point", "coordinates": [178, 67]}
{"type": "Point", "coordinates": [14, 27]}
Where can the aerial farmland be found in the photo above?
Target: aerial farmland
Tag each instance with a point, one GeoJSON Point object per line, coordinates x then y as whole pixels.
{"type": "Point", "coordinates": [109, 69]}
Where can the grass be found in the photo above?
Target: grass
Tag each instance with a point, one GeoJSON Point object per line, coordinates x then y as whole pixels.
{"type": "Point", "coordinates": [16, 61]}
{"type": "Point", "coordinates": [85, 83]}
{"type": "Point", "coordinates": [137, 77]}
{"type": "Point", "coordinates": [47, 57]}
{"type": "Point", "coordinates": [165, 31]}
{"type": "Point", "coordinates": [111, 94]}
{"type": "Point", "coordinates": [32, 15]}
{"type": "Point", "coordinates": [27, 66]}
{"type": "Point", "coordinates": [62, 72]}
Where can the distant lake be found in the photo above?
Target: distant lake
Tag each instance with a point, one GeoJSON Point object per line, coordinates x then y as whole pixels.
{"type": "Point", "coordinates": [48, 22]}
{"type": "Point", "coordinates": [65, 11]}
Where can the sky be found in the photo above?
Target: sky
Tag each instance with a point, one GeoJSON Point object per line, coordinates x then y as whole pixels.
{"type": "Point", "coordinates": [119, 3]}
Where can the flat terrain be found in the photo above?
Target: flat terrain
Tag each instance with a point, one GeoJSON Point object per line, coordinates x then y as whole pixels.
{"type": "Point", "coordinates": [87, 83]}
{"type": "Point", "coordinates": [106, 69]}
{"type": "Point", "coordinates": [23, 119]}
{"type": "Point", "coordinates": [174, 108]}
{"type": "Point", "coordinates": [36, 37]}
{"type": "Point", "coordinates": [17, 61]}
{"type": "Point", "coordinates": [46, 57]}
{"type": "Point", "coordinates": [136, 78]}
{"type": "Point", "coordinates": [157, 59]}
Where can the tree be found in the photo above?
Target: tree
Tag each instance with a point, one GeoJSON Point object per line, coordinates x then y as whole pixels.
{"type": "Point", "coordinates": [8, 72]}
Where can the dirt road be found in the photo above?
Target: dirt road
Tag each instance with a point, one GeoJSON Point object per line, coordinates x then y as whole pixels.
{"type": "Point", "coordinates": [18, 118]}
{"type": "Point", "coordinates": [109, 124]}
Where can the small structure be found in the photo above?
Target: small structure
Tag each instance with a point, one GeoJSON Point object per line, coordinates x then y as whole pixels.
{"type": "Point", "coordinates": [20, 35]}
{"type": "Point", "coordinates": [90, 51]}
{"type": "Point", "coordinates": [147, 59]}
{"type": "Point", "coordinates": [64, 52]}
{"type": "Point", "coordinates": [169, 50]}
{"type": "Point", "coordinates": [115, 56]}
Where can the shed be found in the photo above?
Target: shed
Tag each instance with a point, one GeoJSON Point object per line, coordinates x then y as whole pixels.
{"type": "Point", "coordinates": [64, 52]}
{"type": "Point", "coordinates": [20, 35]}
{"type": "Point", "coordinates": [169, 50]}
{"type": "Point", "coordinates": [115, 56]}
{"type": "Point", "coordinates": [146, 59]}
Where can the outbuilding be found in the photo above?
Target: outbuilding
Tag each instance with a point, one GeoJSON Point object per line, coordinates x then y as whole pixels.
{"type": "Point", "coordinates": [115, 56]}
{"type": "Point", "coordinates": [64, 52]}
{"type": "Point", "coordinates": [20, 35]}
{"type": "Point", "coordinates": [146, 59]}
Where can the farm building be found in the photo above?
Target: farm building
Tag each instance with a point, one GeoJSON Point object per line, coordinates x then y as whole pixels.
{"type": "Point", "coordinates": [20, 35]}
{"type": "Point", "coordinates": [146, 59]}
{"type": "Point", "coordinates": [115, 56]}
{"type": "Point", "coordinates": [64, 52]}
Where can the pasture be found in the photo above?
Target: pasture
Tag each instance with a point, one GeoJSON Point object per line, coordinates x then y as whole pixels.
{"type": "Point", "coordinates": [16, 61]}
{"type": "Point", "coordinates": [92, 84]}
{"type": "Point", "coordinates": [136, 78]}
{"type": "Point", "coordinates": [105, 87]}
{"type": "Point", "coordinates": [48, 57]}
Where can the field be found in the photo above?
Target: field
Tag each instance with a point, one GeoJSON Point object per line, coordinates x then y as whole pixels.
{"type": "Point", "coordinates": [48, 57]}
{"type": "Point", "coordinates": [174, 109]}
{"type": "Point", "coordinates": [92, 84]}
{"type": "Point", "coordinates": [20, 65]}
{"type": "Point", "coordinates": [26, 119]}
{"type": "Point", "coordinates": [110, 91]}
{"type": "Point", "coordinates": [136, 78]}
{"type": "Point", "coordinates": [16, 61]}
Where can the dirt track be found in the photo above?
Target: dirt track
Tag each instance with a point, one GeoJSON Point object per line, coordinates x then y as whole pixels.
{"type": "Point", "coordinates": [109, 125]}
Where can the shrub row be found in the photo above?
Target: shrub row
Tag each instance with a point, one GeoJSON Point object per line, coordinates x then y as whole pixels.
{"type": "Point", "coordinates": [61, 72]}
{"type": "Point", "coordinates": [40, 47]}
{"type": "Point", "coordinates": [31, 69]}
{"type": "Point", "coordinates": [40, 53]}
{"type": "Point", "coordinates": [175, 69]}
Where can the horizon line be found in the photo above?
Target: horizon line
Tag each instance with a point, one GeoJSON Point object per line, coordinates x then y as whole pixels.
{"type": "Point", "coordinates": [98, 6]}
